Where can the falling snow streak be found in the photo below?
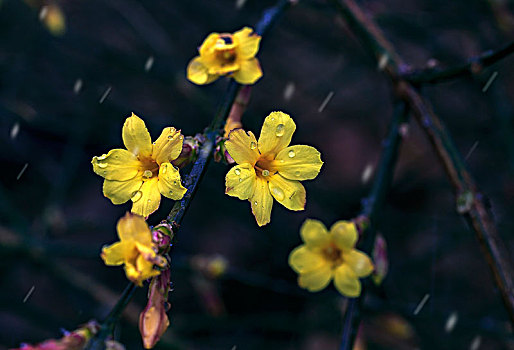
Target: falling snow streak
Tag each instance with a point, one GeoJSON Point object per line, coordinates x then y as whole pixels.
{"type": "Point", "coordinates": [471, 150]}
{"type": "Point", "coordinates": [489, 82]}
{"type": "Point", "coordinates": [289, 91]}
{"type": "Point", "coordinates": [14, 131]}
{"type": "Point", "coordinates": [149, 64]}
{"type": "Point", "coordinates": [326, 101]}
{"type": "Point", "coordinates": [421, 304]}
{"type": "Point", "coordinates": [27, 296]}
{"type": "Point", "coordinates": [77, 86]}
{"type": "Point", "coordinates": [104, 96]}
{"type": "Point", "coordinates": [451, 322]}
{"type": "Point", "coordinates": [22, 171]}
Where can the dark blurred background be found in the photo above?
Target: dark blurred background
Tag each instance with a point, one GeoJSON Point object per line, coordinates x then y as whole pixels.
{"type": "Point", "coordinates": [66, 88]}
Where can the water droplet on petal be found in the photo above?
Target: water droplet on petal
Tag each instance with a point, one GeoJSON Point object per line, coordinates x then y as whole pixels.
{"type": "Point", "coordinates": [170, 136]}
{"type": "Point", "coordinates": [253, 145]}
{"type": "Point", "coordinates": [237, 171]}
{"type": "Point", "coordinates": [171, 192]}
{"type": "Point", "coordinates": [136, 196]}
{"type": "Point", "coordinates": [240, 180]}
{"type": "Point", "coordinates": [149, 200]}
{"type": "Point", "coordinates": [164, 169]}
{"type": "Point", "coordinates": [147, 174]}
{"type": "Point", "coordinates": [102, 165]}
{"type": "Point", "coordinates": [280, 130]}
{"type": "Point", "coordinates": [297, 173]}
{"type": "Point", "coordinates": [291, 154]}
{"type": "Point", "coordinates": [102, 157]}
{"type": "Point", "coordinates": [255, 203]}
{"type": "Point", "coordinates": [278, 193]}
{"type": "Point", "coordinates": [265, 172]}
{"type": "Point", "coordinates": [181, 137]}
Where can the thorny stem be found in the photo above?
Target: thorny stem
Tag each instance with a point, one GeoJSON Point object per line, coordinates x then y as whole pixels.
{"type": "Point", "coordinates": [472, 66]}
{"type": "Point", "coordinates": [194, 177]}
{"type": "Point", "coordinates": [470, 203]}
{"type": "Point", "coordinates": [370, 209]}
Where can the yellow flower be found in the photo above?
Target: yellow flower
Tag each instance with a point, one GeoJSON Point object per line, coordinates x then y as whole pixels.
{"type": "Point", "coordinates": [227, 54]}
{"type": "Point", "coordinates": [270, 168]}
{"type": "Point", "coordinates": [143, 172]}
{"type": "Point", "coordinates": [135, 249]}
{"type": "Point", "coordinates": [330, 255]}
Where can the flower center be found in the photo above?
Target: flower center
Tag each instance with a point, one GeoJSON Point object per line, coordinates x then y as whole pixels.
{"type": "Point", "coordinates": [263, 168]}
{"type": "Point", "coordinates": [333, 255]}
{"type": "Point", "coordinates": [226, 56]}
{"type": "Point", "coordinates": [150, 169]}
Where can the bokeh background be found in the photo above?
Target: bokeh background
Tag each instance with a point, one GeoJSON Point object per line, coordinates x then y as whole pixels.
{"type": "Point", "coordinates": [66, 90]}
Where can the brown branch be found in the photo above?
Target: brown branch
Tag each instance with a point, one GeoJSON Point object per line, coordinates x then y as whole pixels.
{"type": "Point", "coordinates": [469, 201]}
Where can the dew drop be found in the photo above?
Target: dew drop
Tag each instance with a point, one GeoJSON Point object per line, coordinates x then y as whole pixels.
{"type": "Point", "coordinates": [278, 193]}
{"type": "Point", "coordinates": [171, 192]}
{"type": "Point", "coordinates": [291, 154]}
{"type": "Point", "coordinates": [237, 171]}
{"type": "Point", "coordinates": [170, 136]}
{"type": "Point", "coordinates": [102, 165]}
{"type": "Point", "coordinates": [240, 180]}
{"type": "Point", "coordinates": [164, 169]}
{"type": "Point", "coordinates": [297, 173]}
{"type": "Point", "coordinates": [255, 203]}
{"type": "Point", "coordinates": [265, 172]}
{"type": "Point", "coordinates": [136, 196]}
{"type": "Point", "coordinates": [181, 137]}
{"type": "Point", "coordinates": [280, 130]}
{"type": "Point", "coordinates": [149, 200]}
{"type": "Point", "coordinates": [147, 174]}
{"type": "Point", "coordinates": [253, 145]}
{"type": "Point", "coordinates": [102, 157]}
{"type": "Point", "coordinates": [175, 182]}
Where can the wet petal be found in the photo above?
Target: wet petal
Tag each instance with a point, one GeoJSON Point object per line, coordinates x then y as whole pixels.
{"type": "Point", "coordinates": [136, 137]}
{"type": "Point", "coordinates": [116, 253]}
{"type": "Point", "coordinates": [314, 234]}
{"type": "Point", "coordinates": [169, 183]}
{"type": "Point", "coordinates": [240, 181]}
{"type": "Point", "coordinates": [247, 43]}
{"type": "Point", "coordinates": [249, 71]}
{"type": "Point", "coordinates": [168, 146]}
{"type": "Point", "coordinates": [120, 192]}
{"type": "Point", "coordinates": [344, 234]}
{"type": "Point", "coordinates": [118, 164]}
{"type": "Point", "coordinates": [148, 198]}
{"type": "Point", "coordinates": [359, 262]}
{"type": "Point", "coordinates": [134, 228]}
{"type": "Point", "coordinates": [261, 202]}
{"type": "Point", "coordinates": [198, 72]}
{"type": "Point", "coordinates": [242, 147]}
{"type": "Point", "coordinates": [346, 282]}
{"type": "Point", "coordinates": [302, 259]}
{"type": "Point", "coordinates": [145, 268]}
{"type": "Point", "coordinates": [316, 280]}
{"type": "Point", "coordinates": [291, 194]}
{"type": "Point", "coordinates": [298, 162]}
{"type": "Point", "coordinates": [276, 133]}
{"type": "Point", "coordinates": [207, 47]}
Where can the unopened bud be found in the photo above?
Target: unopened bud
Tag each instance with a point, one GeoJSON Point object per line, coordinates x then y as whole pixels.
{"type": "Point", "coordinates": [380, 259]}
{"type": "Point", "coordinates": [189, 152]}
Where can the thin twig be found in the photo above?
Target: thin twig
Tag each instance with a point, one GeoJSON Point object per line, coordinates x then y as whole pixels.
{"type": "Point", "coordinates": [370, 209]}
{"type": "Point", "coordinates": [472, 66]}
{"type": "Point", "coordinates": [470, 202]}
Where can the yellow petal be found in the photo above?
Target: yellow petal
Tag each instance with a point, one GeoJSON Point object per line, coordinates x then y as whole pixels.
{"type": "Point", "coordinates": [198, 72]}
{"type": "Point", "coordinates": [134, 228]}
{"type": "Point", "coordinates": [314, 234]}
{"type": "Point", "coordinates": [220, 67]}
{"type": "Point", "coordinates": [149, 200]}
{"type": "Point", "coordinates": [248, 72]}
{"type": "Point", "coordinates": [242, 147]}
{"type": "Point", "coordinates": [302, 259]}
{"type": "Point", "coordinates": [261, 202]}
{"type": "Point", "coordinates": [247, 43]}
{"type": "Point", "coordinates": [168, 146]}
{"type": "Point", "coordinates": [276, 133]}
{"type": "Point", "coordinates": [344, 235]}
{"type": "Point", "coordinates": [121, 191]}
{"type": "Point", "coordinates": [298, 162]}
{"type": "Point", "coordinates": [136, 137]}
{"type": "Point", "coordinates": [240, 181]}
{"type": "Point", "coordinates": [133, 274]}
{"type": "Point", "coordinates": [291, 194]}
{"type": "Point", "coordinates": [116, 253]}
{"type": "Point", "coordinates": [346, 282]}
{"type": "Point", "coordinates": [118, 164]}
{"type": "Point", "coordinates": [316, 280]}
{"type": "Point", "coordinates": [208, 44]}
{"type": "Point", "coordinates": [169, 184]}
{"type": "Point", "coordinates": [359, 262]}
{"type": "Point", "coordinates": [54, 20]}
{"type": "Point", "coordinates": [145, 268]}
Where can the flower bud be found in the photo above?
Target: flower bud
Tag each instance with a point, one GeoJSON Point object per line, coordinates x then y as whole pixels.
{"type": "Point", "coordinates": [189, 151]}
{"type": "Point", "coordinates": [380, 259]}
{"type": "Point", "coordinates": [153, 321]}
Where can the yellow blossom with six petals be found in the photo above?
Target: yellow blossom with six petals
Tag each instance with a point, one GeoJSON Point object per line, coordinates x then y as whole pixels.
{"type": "Point", "coordinates": [135, 249]}
{"type": "Point", "coordinates": [328, 255]}
{"type": "Point", "coordinates": [227, 54]}
{"type": "Point", "coordinates": [143, 172]}
{"type": "Point", "coordinates": [270, 168]}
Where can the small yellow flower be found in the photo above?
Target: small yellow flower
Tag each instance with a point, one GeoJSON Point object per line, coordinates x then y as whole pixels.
{"type": "Point", "coordinates": [270, 168]}
{"type": "Point", "coordinates": [143, 172]}
{"type": "Point", "coordinates": [227, 54]}
{"type": "Point", "coordinates": [135, 249]}
{"type": "Point", "coordinates": [330, 255]}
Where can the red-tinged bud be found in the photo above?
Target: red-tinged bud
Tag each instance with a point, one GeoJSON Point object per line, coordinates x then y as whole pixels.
{"type": "Point", "coordinates": [153, 321]}
{"type": "Point", "coordinates": [380, 259]}
{"type": "Point", "coordinates": [162, 235]}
